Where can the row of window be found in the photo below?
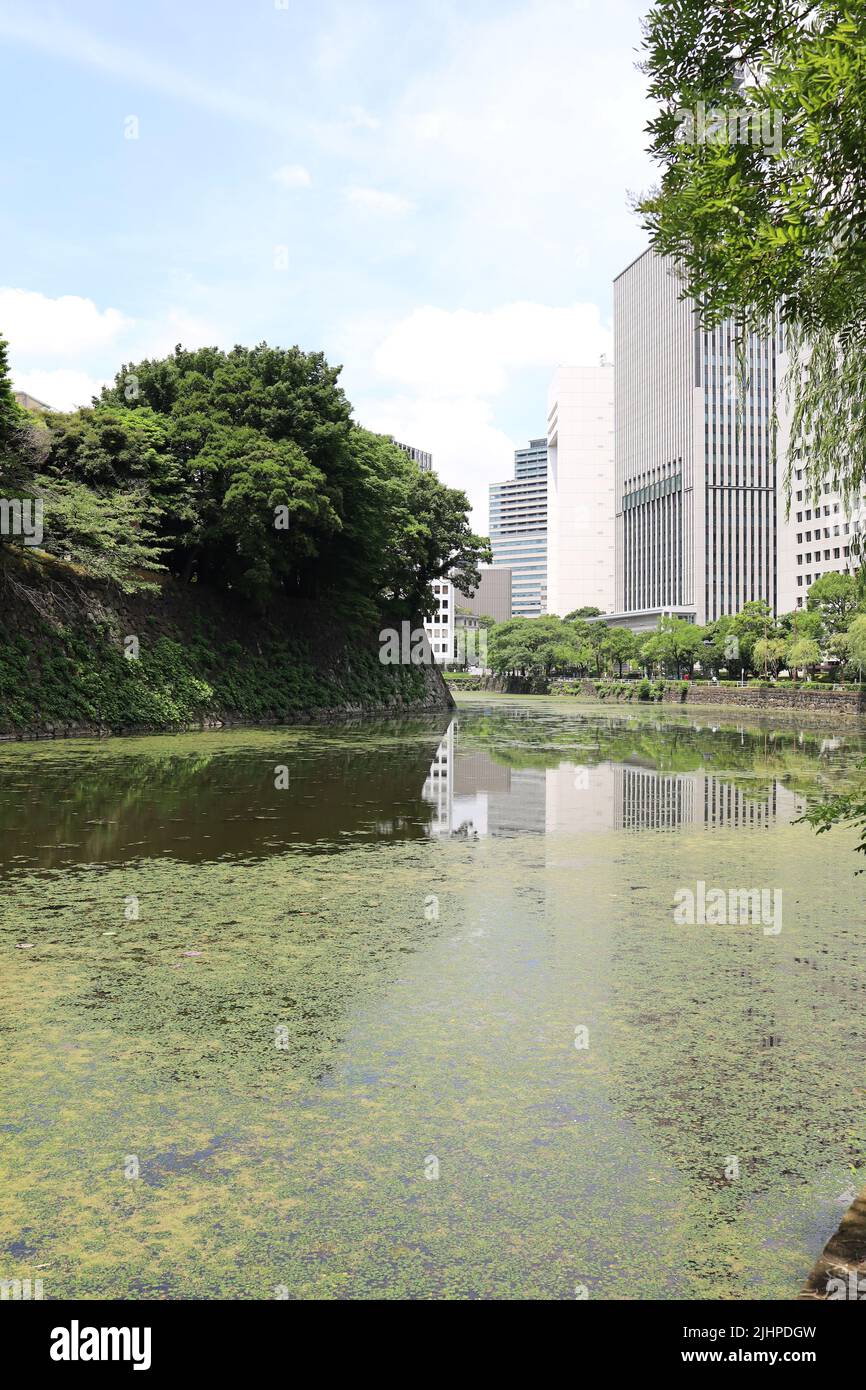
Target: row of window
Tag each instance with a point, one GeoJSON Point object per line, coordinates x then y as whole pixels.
{"type": "Point", "coordinates": [836, 555]}
{"type": "Point", "coordinates": [826, 512]}
{"type": "Point", "coordinates": [846, 530]}
{"type": "Point", "coordinates": [810, 579]}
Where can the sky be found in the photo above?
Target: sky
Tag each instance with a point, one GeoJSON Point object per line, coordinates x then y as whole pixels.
{"type": "Point", "coordinates": [434, 193]}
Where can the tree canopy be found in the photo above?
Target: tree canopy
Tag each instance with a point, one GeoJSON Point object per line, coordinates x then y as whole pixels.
{"type": "Point", "coordinates": [753, 642]}
{"type": "Point", "coordinates": [245, 470]}
{"type": "Point", "coordinates": [537, 647]}
{"type": "Point", "coordinates": [9, 409]}
{"type": "Point", "coordinates": [764, 209]}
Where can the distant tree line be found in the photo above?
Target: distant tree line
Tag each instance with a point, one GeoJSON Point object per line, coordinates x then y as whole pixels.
{"type": "Point", "coordinates": [751, 643]}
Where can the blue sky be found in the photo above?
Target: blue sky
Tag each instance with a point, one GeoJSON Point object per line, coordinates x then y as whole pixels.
{"type": "Point", "coordinates": [434, 194]}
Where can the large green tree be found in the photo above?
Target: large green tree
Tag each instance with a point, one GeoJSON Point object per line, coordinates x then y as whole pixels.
{"type": "Point", "coordinates": [109, 536]}
{"type": "Point", "coordinates": [675, 645]}
{"type": "Point", "coordinates": [537, 647]}
{"type": "Point", "coordinates": [618, 646]}
{"type": "Point", "coordinates": [835, 596]}
{"type": "Point", "coordinates": [856, 645]}
{"type": "Point", "coordinates": [18, 435]}
{"type": "Point", "coordinates": [254, 477]}
{"type": "Point", "coordinates": [753, 622]}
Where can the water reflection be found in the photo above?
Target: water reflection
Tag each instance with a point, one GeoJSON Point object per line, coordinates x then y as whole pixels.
{"type": "Point", "coordinates": [489, 772]}
{"type": "Point", "coordinates": [206, 797]}
{"type": "Point", "coordinates": [474, 793]}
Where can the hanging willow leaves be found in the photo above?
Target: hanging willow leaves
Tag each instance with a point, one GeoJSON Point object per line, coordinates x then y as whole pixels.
{"type": "Point", "coordinates": [766, 216]}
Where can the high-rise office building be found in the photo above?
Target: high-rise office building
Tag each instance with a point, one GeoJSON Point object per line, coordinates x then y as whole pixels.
{"type": "Point", "coordinates": [580, 489]}
{"type": "Point", "coordinates": [820, 535]}
{"type": "Point", "coordinates": [518, 529]}
{"type": "Point", "coordinates": [696, 475]}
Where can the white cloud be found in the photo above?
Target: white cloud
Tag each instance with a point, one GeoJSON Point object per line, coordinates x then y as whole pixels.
{"type": "Point", "coordinates": [292, 176]}
{"type": "Point", "coordinates": [376, 201]}
{"type": "Point", "coordinates": [454, 352]}
{"type": "Point", "coordinates": [35, 324]}
{"type": "Point", "coordinates": [64, 388]}
{"type": "Point", "coordinates": [469, 449]}
{"type": "Point", "coordinates": [437, 379]}
{"type": "Point", "coordinates": [42, 331]}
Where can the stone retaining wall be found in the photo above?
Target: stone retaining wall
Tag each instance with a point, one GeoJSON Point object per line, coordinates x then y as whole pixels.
{"type": "Point", "coordinates": [827, 702]}
{"type": "Point", "coordinates": [756, 698]}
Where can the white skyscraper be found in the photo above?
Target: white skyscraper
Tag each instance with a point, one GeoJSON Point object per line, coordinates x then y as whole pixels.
{"type": "Point", "coordinates": [580, 489]}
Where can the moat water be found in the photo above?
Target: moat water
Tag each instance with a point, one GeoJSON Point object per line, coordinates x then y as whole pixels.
{"type": "Point", "coordinates": [404, 1009]}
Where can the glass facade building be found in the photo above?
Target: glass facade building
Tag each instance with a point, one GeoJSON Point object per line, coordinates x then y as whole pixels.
{"type": "Point", "coordinates": [518, 529]}
{"type": "Point", "coordinates": [696, 484]}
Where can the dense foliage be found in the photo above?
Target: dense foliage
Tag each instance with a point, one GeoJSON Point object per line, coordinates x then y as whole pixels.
{"type": "Point", "coordinates": [764, 209]}
{"type": "Point", "coordinates": [244, 471]}
{"type": "Point", "coordinates": [65, 663]}
{"type": "Point", "coordinates": [830, 631]}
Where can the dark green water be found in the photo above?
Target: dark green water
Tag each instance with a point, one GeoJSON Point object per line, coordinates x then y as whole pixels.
{"type": "Point", "coordinates": [331, 1024]}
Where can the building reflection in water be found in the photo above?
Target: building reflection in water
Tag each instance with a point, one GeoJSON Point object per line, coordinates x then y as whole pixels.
{"type": "Point", "coordinates": [473, 795]}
